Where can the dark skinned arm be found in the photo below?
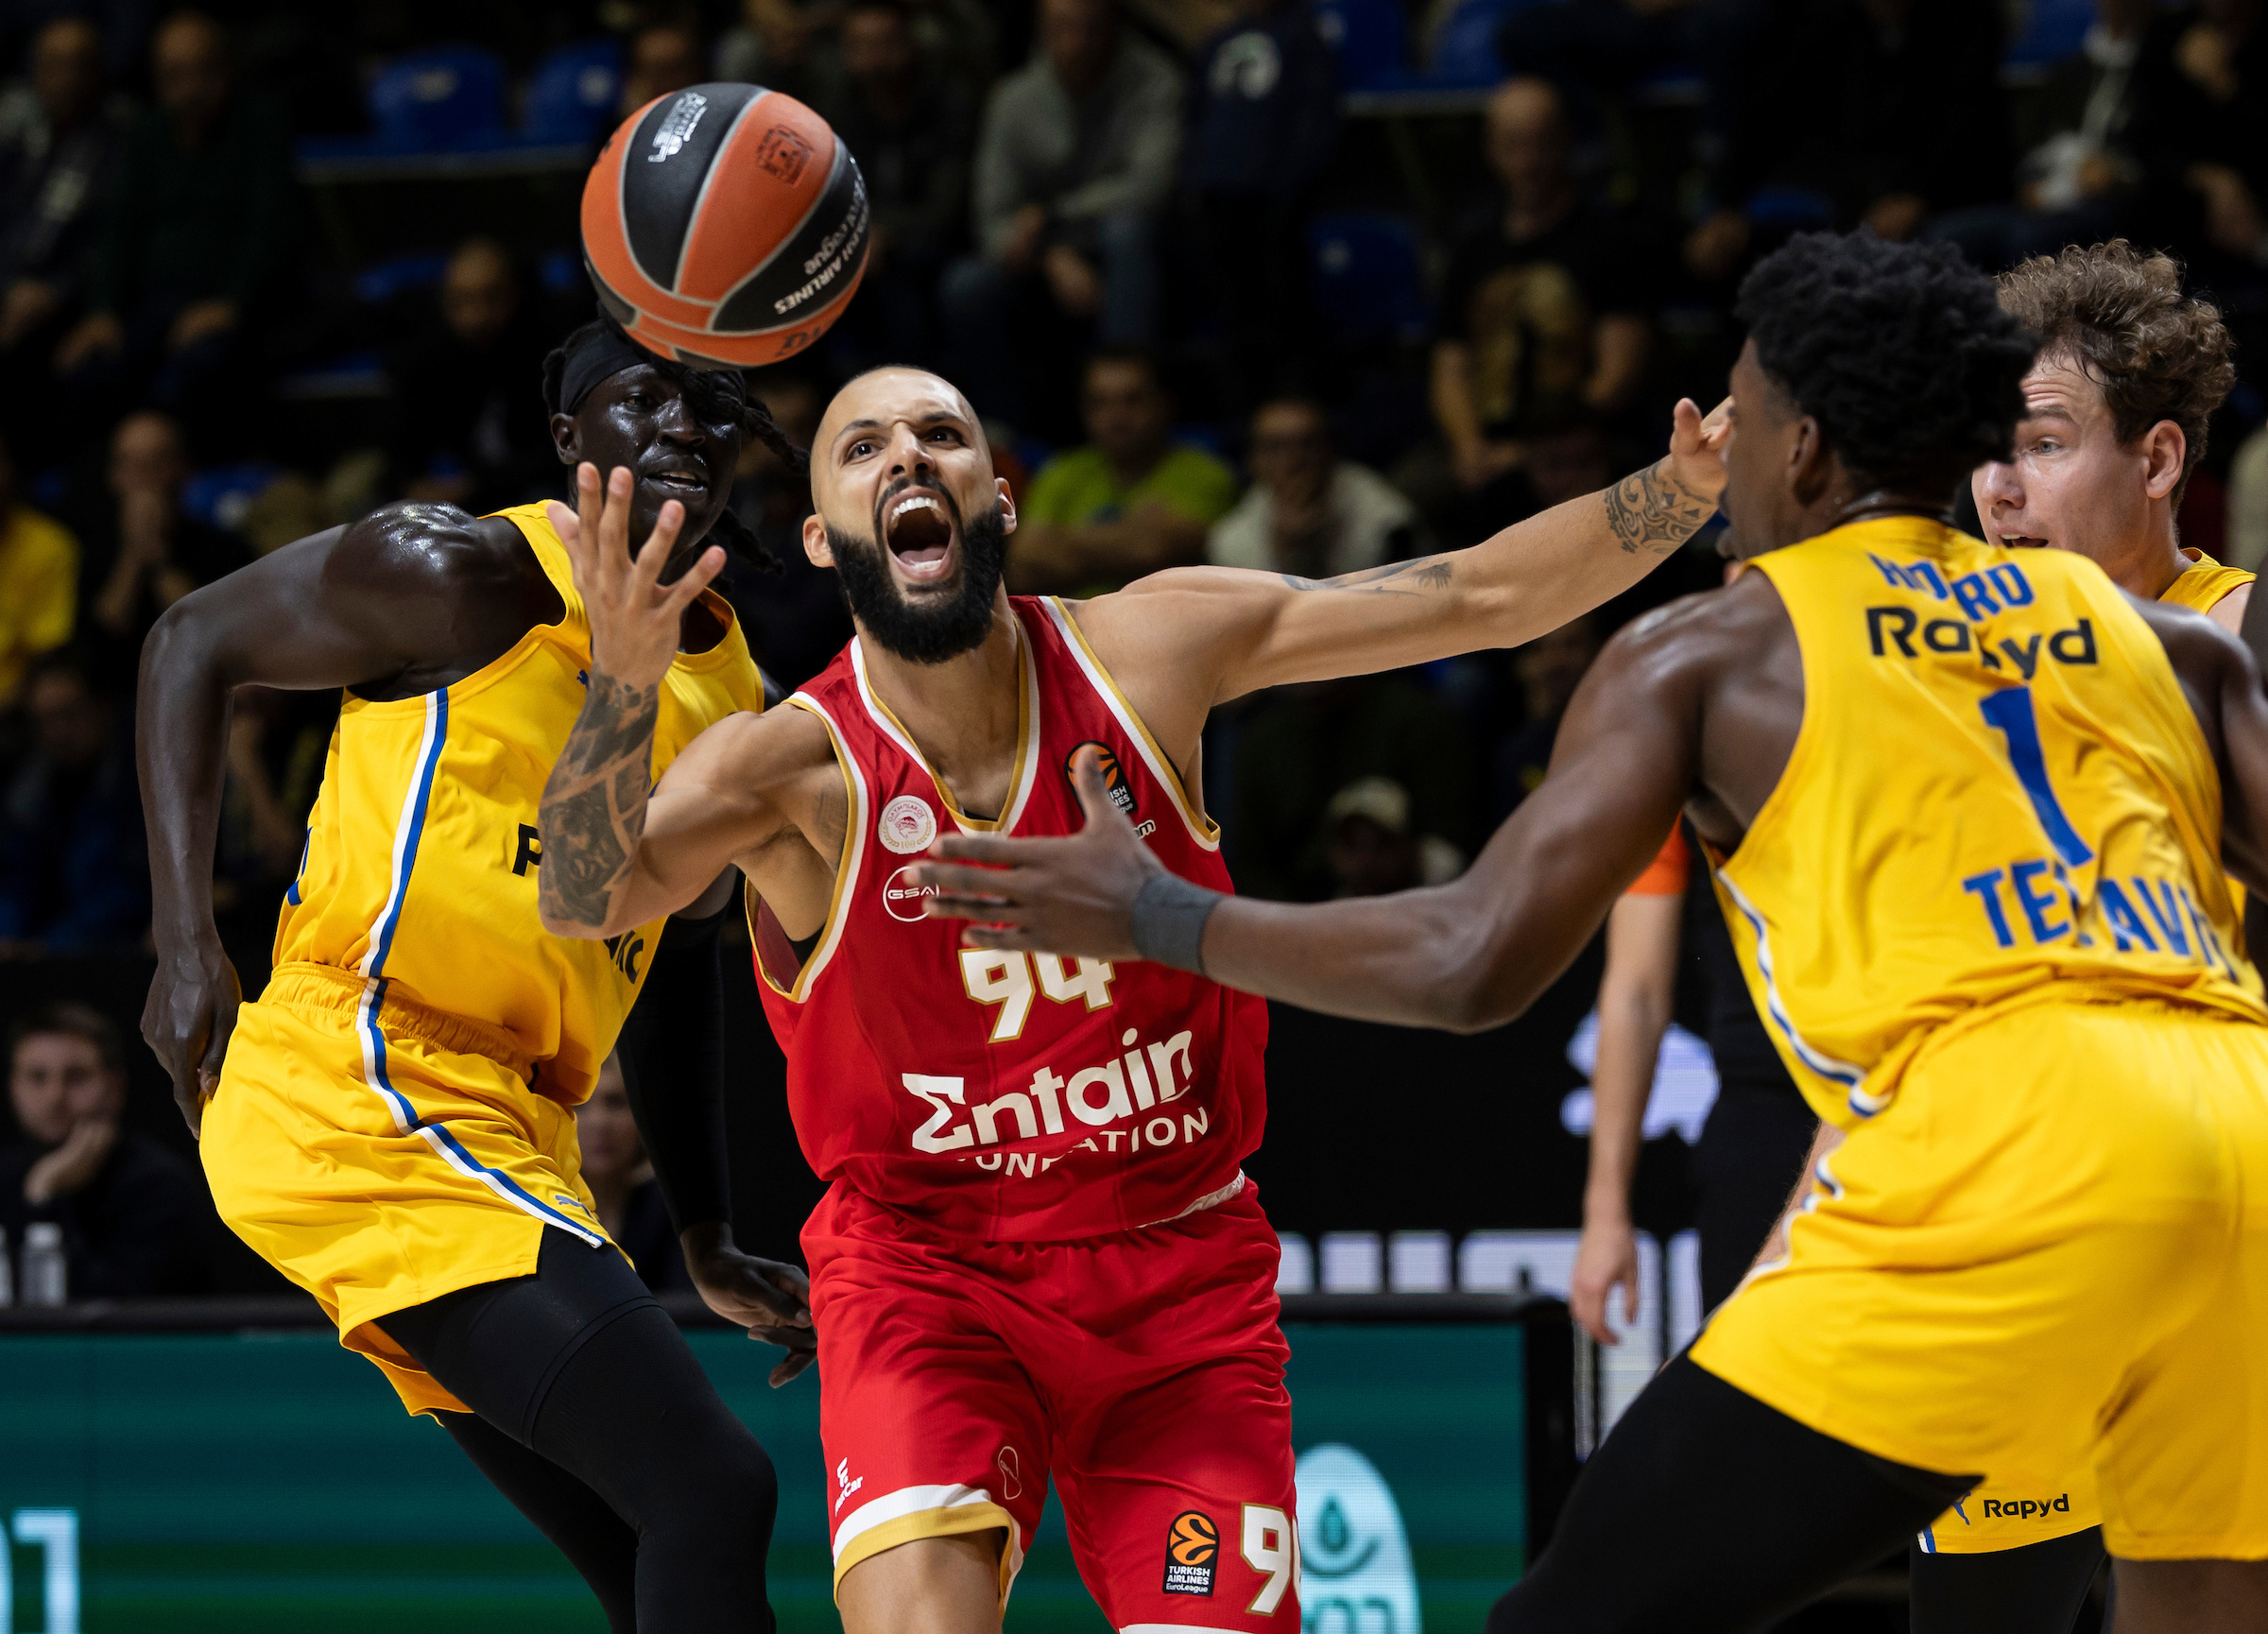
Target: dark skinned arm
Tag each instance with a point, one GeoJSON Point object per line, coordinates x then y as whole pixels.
{"type": "Point", "coordinates": [409, 599]}
{"type": "Point", "coordinates": [672, 1054]}
{"type": "Point", "coordinates": [1465, 955]}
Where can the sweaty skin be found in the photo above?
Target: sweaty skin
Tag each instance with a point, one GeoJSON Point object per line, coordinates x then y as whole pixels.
{"type": "Point", "coordinates": [411, 598]}
{"type": "Point", "coordinates": [1693, 708]}
{"type": "Point", "coordinates": [764, 792]}
{"type": "Point", "coordinates": [2074, 485]}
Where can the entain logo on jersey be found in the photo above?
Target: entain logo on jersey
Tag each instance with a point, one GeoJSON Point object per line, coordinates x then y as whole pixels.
{"type": "Point", "coordinates": [677, 126]}
{"type": "Point", "coordinates": [1114, 779]}
{"type": "Point", "coordinates": [1192, 1544]}
{"type": "Point", "coordinates": [1354, 1555]}
{"type": "Point", "coordinates": [1097, 1096]}
{"type": "Point", "coordinates": [908, 825]}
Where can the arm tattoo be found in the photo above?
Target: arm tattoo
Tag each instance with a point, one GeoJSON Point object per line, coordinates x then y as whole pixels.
{"type": "Point", "coordinates": [1653, 509]}
{"type": "Point", "coordinates": [594, 803]}
{"type": "Point", "coordinates": [1427, 573]}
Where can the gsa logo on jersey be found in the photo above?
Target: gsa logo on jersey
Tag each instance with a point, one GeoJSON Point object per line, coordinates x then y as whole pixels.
{"type": "Point", "coordinates": [903, 898]}
{"type": "Point", "coordinates": [1192, 1544]}
{"type": "Point", "coordinates": [1354, 1557]}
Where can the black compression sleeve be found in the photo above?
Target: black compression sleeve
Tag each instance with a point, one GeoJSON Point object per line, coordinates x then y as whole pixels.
{"type": "Point", "coordinates": [672, 1054]}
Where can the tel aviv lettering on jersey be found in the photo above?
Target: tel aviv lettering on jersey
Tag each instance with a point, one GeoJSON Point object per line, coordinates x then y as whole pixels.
{"type": "Point", "coordinates": [2032, 899]}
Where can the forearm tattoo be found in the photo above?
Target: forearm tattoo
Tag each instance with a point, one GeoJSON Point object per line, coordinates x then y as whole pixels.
{"type": "Point", "coordinates": [594, 803]}
{"type": "Point", "coordinates": [1653, 509]}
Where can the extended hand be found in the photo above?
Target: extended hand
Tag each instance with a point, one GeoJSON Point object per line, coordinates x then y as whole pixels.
{"type": "Point", "coordinates": [635, 618]}
{"type": "Point", "coordinates": [1697, 447]}
{"type": "Point", "coordinates": [770, 1300]}
{"type": "Point", "coordinates": [191, 1012]}
{"type": "Point", "coordinates": [1059, 896]}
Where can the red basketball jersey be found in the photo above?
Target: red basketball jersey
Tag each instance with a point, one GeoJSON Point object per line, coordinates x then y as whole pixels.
{"type": "Point", "coordinates": [1001, 1096]}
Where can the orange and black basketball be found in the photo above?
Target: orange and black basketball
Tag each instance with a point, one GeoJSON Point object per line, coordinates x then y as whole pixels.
{"type": "Point", "coordinates": [725, 225]}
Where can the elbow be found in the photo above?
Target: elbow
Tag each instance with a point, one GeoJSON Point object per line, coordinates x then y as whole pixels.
{"type": "Point", "coordinates": [557, 921]}
{"type": "Point", "coordinates": [1474, 987]}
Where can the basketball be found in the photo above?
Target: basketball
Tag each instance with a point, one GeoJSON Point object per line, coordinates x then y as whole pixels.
{"type": "Point", "coordinates": [725, 226]}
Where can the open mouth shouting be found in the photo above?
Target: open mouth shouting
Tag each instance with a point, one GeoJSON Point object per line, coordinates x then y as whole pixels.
{"type": "Point", "coordinates": [685, 483]}
{"type": "Point", "coordinates": [918, 528]}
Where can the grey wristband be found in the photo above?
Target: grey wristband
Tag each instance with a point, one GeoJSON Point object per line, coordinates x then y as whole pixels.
{"type": "Point", "coordinates": [1169, 922]}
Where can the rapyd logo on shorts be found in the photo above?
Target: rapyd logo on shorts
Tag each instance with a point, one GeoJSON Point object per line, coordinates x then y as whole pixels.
{"type": "Point", "coordinates": [1354, 1557]}
{"type": "Point", "coordinates": [2026, 1508]}
{"type": "Point", "coordinates": [1193, 1548]}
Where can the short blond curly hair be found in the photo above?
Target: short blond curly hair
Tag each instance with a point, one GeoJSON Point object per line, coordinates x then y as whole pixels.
{"type": "Point", "coordinates": [2118, 313]}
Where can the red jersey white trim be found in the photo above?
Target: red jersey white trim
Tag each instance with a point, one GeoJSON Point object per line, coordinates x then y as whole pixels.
{"type": "Point", "coordinates": [1203, 829]}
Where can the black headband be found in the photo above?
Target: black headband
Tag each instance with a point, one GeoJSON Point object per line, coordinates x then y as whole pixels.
{"type": "Point", "coordinates": [607, 352]}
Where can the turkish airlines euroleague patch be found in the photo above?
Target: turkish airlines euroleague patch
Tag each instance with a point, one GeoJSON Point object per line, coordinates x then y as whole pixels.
{"type": "Point", "coordinates": [1114, 774]}
{"type": "Point", "coordinates": [1191, 1548]}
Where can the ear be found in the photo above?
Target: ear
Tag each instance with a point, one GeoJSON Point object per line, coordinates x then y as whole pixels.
{"type": "Point", "coordinates": [1810, 467]}
{"type": "Point", "coordinates": [815, 541]}
{"type": "Point", "coordinates": [566, 439]}
{"type": "Point", "coordinates": [2163, 449]}
{"type": "Point", "coordinates": [1007, 505]}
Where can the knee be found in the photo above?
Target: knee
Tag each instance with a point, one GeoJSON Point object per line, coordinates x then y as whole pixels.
{"type": "Point", "coordinates": [742, 1483]}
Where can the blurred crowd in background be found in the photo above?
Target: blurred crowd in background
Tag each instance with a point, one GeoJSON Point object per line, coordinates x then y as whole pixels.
{"type": "Point", "coordinates": [1304, 286]}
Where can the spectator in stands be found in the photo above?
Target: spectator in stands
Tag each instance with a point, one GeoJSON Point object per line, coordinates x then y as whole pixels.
{"type": "Point", "coordinates": [773, 44]}
{"type": "Point", "coordinates": [622, 1184]}
{"type": "Point", "coordinates": [73, 877]}
{"type": "Point", "coordinates": [1130, 502]}
{"type": "Point", "coordinates": [194, 237]}
{"type": "Point", "coordinates": [1548, 670]}
{"type": "Point", "coordinates": [128, 1207]}
{"type": "Point", "coordinates": [795, 621]}
{"type": "Point", "coordinates": [39, 583]}
{"type": "Point", "coordinates": [2202, 129]}
{"type": "Point", "coordinates": [2079, 177]}
{"type": "Point", "coordinates": [1544, 308]}
{"type": "Point", "coordinates": [1371, 848]}
{"type": "Point", "coordinates": [1875, 114]}
{"type": "Point", "coordinates": [1305, 744]}
{"type": "Point", "coordinates": [910, 125]}
{"type": "Point", "coordinates": [143, 552]}
{"type": "Point", "coordinates": [1074, 162]}
{"type": "Point", "coordinates": [1264, 119]}
{"type": "Point", "coordinates": [467, 429]}
{"type": "Point", "coordinates": [1309, 512]}
{"type": "Point", "coordinates": [665, 56]}
{"type": "Point", "coordinates": [59, 142]}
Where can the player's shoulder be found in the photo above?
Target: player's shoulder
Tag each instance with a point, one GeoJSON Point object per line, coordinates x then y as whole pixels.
{"type": "Point", "coordinates": [1705, 629]}
{"type": "Point", "coordinates": [765, 750]}
{"type": "Point", "coordinates": [416, 547]}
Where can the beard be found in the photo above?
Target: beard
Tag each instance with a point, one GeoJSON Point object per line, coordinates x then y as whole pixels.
{"type": "Point", "coordinates": [938, 627]}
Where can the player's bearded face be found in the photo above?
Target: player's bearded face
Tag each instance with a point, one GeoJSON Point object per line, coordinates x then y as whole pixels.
{"type": "Point", "coordinates": [933, 622]}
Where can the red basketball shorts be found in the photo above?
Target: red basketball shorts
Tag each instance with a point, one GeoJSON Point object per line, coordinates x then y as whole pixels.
{"type": "Point", "coordinates": [1144, 1371]}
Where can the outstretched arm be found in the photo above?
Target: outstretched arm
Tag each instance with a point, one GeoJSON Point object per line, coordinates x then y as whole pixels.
{"type": "Point", "coordinates": [350, 607]}
{"type": "Point", "coordinates": [1465, 955]}
{"type": "Point", "coordinates": [1222, 633]}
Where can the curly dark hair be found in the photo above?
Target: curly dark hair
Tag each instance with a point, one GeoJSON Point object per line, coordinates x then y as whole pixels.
{"type": "Point", "coordinates": [1900, 351]}
{"type": "Point", "coordinates": [713, 396]}
{"type": "Point", "coordinates": [2118, 313]}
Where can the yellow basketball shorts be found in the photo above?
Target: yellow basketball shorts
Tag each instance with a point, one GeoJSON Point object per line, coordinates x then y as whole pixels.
{"type": "Point", "coordinates": [381, 1154]}
{"type": "Point", "coordinates": [2049, 1254]}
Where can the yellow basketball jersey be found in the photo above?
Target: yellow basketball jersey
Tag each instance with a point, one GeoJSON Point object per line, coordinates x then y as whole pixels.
{"type": "Point", "coordinates": [2204, 582]}
{"type": "Point", "coordinates": [420, 872]}
{"type": "Point", "coordinates": [1999, 795]}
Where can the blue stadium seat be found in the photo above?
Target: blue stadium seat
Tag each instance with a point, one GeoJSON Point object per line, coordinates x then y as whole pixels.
{"type": "Point", "coordinates": [380, 281]}
{"type": "Point", "coordinates": [1465, 51]}
{"type": "Point", "coordinates": [572, 94]}
{"type": "Point", "coordinates": [1365, 276]}
{"type": "Point", "coordinates": [449, 97]}
{"type": "Point", "coordinates": [1371, 41]}
{"type": "Point", "coordinates": [2051, 31]}
{"type": "Point", "coordinates": [1794, 208]}
{"type": "Point", "coordinates": [218, 497]}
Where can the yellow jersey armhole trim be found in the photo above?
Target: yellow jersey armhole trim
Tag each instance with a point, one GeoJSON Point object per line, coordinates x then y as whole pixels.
{"type": "Point", "coordinates": [1807, 734]}
{"type": "Point", "coordinates": [1204, 827]}
{"type": "Point", "coordinates": [846, 871]}
{"type": "Point", "coordinates": [954, 1522]}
